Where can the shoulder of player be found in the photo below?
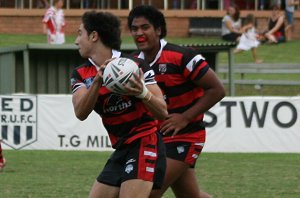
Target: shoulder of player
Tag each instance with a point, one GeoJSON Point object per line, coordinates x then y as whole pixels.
{"type": "Point", "coordinates": [140, 62]}
{"type": "Point", "coordinates": [178, 49]}
{"type": "Point", "coordinates": [86, 64]}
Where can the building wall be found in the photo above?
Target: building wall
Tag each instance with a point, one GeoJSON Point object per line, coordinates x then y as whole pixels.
{"type": "Point", "coordinates": [30, 21]}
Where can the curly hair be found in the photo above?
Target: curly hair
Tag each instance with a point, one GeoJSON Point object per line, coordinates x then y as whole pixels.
{"type": "Point", "coordinates": [106, 25]}
{"type": "Point", "coordinates": [153, 15]}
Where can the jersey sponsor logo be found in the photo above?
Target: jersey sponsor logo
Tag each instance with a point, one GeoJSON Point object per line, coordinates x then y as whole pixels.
{"type": "Point", "coordinates": [88, 82]}
{"type": "Point", "coordinates": [162, 68]}
{"type": "Point", "coordinates": [18, 121]}
{"type": "Point", "coordinates": [116, 104]}
{"type": "Point", "coordinates": [180, 149]}
{"type": "Point", "coordinates": [129, 168]}
{"type": "Point", "coordinates": [131, 161]}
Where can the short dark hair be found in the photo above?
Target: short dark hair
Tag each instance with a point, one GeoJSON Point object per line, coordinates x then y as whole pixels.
{"type": "Point", "coordinates": [106, 25]}
{"type": "Point", "coordinates": [153, 15]}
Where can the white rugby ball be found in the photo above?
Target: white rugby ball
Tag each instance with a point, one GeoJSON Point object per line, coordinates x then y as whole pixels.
{"type": "Point", "coordinates": [117, 74]}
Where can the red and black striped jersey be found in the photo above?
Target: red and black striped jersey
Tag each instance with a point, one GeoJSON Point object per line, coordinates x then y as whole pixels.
{"type": "Point", "coordinates": [176, 68]}
{"type": "Point", "coordinates": [125, 117]}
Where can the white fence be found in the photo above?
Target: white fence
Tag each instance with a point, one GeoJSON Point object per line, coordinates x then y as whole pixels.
{"type": "Point", "coordinates": [236, 124]}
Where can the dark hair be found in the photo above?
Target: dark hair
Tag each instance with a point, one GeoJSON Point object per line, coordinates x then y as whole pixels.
{"type": "Point", "coordinates": [236, 16]}
{"type": "Point", "coordinates": [249, 19]}
{"type": "Point", "coordinates": [153, 15]}
{"type": "Point", "coordinates": [106, 25]}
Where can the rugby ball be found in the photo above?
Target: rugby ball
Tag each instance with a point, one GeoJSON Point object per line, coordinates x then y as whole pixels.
{"type": "Point", "coordinates": [117, 74]}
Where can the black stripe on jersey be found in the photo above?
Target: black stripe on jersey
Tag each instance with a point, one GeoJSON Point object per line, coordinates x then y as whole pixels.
{"type": "Point", "coordinates": [124, 128]}
{"type": "Point", "coordinates": [150, 161]}
{"type": "Point", "coordinates": [150, 146]}
{"type": "Point", "coordinates": [183, 108]}
{"type": "Point", "coordinates": [178, 89]}
{"type": "Point", "coordinates": [198, 150]}
{"type": "Point", "coordinates": [190, 128]}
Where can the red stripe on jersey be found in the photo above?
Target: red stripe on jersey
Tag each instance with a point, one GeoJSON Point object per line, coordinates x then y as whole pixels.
{"type": "Point", "coordinates": [198, 69]}
{"type": "Point", "coordinates": [171, 57]}
{"type": "Point", "coordinates": [149, 131]}
{"type": "Point", "coordinates": [184, 99]}
{"type": "Point", "coordinates": [198, 136]}
{"type": "Point", "coordinates": [170, 79]}
{"type": "Point", "coordinates": [87, 72]}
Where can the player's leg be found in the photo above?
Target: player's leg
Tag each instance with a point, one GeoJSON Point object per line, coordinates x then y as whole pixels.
{"type": "Point", "coordinates": [189, 179]}
{"type": "Point", "coordinates": [100, 190]}
{"type": "Point", "coordinates": [2, 159]}
{"type": "Point", "coordinates": [145, 167]}
{"type": "Point", "coordinates": [175, 169]}
{"type": "Point", "coordinates": [135, 188]}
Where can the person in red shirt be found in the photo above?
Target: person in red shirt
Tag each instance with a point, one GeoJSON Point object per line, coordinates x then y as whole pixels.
{"type": "Point", "coordinates": [138, 163]}
{"type": "Point", "coordinates": [2, 159]}
{"type": "Point", "coordinates": [190, 88]}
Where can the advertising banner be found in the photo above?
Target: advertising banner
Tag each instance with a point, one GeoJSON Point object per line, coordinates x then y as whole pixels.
{"type": "Point", "coordinates": [235, 124]}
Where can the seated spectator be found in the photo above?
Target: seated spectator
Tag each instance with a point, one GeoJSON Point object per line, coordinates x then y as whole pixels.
{"type": "Point", "coordinates": [249, 39]}
{"type": "Point", "coordinates": [276, 28]}
{"type": "Point", "coordinates": [231, 24]}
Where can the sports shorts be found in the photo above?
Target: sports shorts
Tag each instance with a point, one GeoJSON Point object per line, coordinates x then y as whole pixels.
{"type": "Point", "coordinates": [289, 17]}
{"type": "Point", "coordinates": [187, 152]}
{"type": "Point", "coordinates": [144, 159]}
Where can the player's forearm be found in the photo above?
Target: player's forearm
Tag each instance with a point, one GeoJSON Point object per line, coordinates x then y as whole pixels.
{"type": "Point", "coordinates": [156, 105]}
{"type": "Point", "coordinates": [85, 100]}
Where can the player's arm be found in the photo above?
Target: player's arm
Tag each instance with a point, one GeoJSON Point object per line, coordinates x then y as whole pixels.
{"type": "Point", "coordinates": [213, 93]}
{"type": "Point", "coordinates": [84, 99]}
{"type": "Point", "coordinates": [155, 102]}
{"type": "Point", "coordinates": [150, 94]}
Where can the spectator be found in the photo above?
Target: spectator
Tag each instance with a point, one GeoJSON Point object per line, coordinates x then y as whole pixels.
{"type": "Point", "coordinates": [276, 28]}
{"type": "Point", "coordinates": [42, 4]}
{"type": "Point", "coordinates": [2, 159]}
{"type": "Point", "coordinates": [54, 23]}
{"type": "Point", "coordinates": [249, 39]}
{"type": "Point", "coordinates": [231, 24]}
{"type": "Point", "coordinates": [289, 14]}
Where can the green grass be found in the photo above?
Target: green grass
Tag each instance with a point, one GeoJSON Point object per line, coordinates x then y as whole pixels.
{"type": "Point", "coordinates": [71, 174]}
{"type": "Point", "coordinates": [282, 53]}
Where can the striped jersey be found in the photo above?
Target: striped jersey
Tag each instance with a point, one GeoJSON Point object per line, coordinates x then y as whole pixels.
{"type": "Point", "coordinates": [125, 117]}
{"type": "Point", "coordinates": [175, 69]}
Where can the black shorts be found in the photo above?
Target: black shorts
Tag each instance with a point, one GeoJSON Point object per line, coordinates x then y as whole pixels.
{"type": "Point", "coordinates": [145, 159]}
{"type": "Point", "coordinates": [232, 37]}
{"type": "Point", "coordinates": [187, 152]}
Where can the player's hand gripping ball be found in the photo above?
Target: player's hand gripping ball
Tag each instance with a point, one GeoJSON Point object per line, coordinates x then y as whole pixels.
{"type": "Point", "coordinates": [117, 74]}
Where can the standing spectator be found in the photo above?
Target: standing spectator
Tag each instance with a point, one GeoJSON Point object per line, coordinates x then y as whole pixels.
{"type": "Point", "coordinates": [2, 159]}
{"type": "Point", "coordinates": [249, 38]}
{"type": "Point", "coordinates": [231, 24]}
{"type": "Point", "coordinates": [54, 23]}
{"type": "Point", "coordinates": [190, 88]}
{"type": "Point", "coordinates": [138, 163]}
{"type": "Point", "coordinates": [275, 32]}
{"type": "Point", "coordinates": [289, 14]}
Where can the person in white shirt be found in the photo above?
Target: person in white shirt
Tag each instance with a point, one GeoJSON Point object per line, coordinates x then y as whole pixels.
{"type": "Point", "coordinates": [54, 23]}
{"type": "Point", "coordinates": [248, 40]}
{"type": "Point", "coordinates": [231, 24]}
{"type": "Point", "coordinates": [289, 14]}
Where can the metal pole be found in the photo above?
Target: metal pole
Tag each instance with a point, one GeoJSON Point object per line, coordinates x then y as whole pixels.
{"type": "Point", "coordinates": [231, 73]}
{"type": "Point", "coordinates": [26, 71]}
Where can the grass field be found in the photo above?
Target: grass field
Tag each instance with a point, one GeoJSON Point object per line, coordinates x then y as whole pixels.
{"type": "Point", "coordinates": [272, 54]}
{"type": "Point", "coordinates": [70, 174]}
{"type": "Point", "coordinates": [47, 174]}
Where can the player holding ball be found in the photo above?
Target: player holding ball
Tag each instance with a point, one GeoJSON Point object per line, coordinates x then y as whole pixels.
{"type": "Point", "coordinates": [138, 163]}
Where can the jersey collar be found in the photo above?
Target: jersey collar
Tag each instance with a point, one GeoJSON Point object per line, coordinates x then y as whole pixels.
{"type": "Point", "coordinates": [163, 43]}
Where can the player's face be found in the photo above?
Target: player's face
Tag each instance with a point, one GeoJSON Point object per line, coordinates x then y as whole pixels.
{"type": "Point", "coordinates": [145, 36]}
{"type": "Point", "coordinates": [83, 42]}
